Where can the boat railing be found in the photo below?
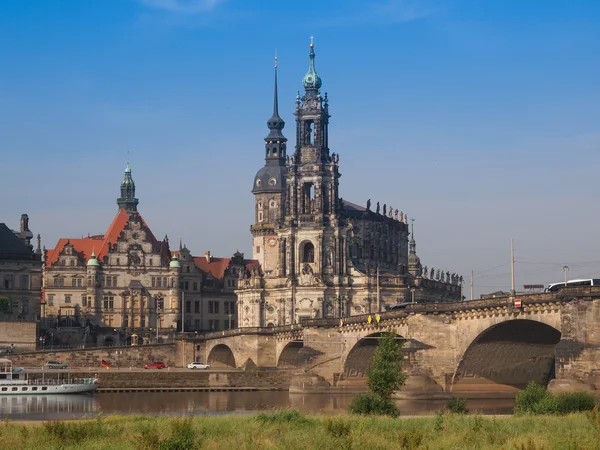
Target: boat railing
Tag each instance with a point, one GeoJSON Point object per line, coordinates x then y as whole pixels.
{"type": "Point", "coordinates": [57, 381]}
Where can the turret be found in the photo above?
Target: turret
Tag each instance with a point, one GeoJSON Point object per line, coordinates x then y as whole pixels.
{"type": "Point", "coordinates": [127, 200]}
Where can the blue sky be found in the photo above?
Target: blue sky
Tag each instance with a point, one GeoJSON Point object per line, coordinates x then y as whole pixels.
{"type": "Point", "coordinates": [479, 119]}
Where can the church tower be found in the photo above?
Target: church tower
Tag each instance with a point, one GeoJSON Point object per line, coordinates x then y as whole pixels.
{"type": "Point", "coordinates": [268, 189]}
{"type": "Point", "coordinates": [127, 200]}
{"type": "Point", "coordinates": [312, 201]}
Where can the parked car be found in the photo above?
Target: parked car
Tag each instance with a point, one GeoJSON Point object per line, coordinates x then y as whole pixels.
{"type": "Point", "coordinates": [55, 365]}
{"type": "Point", "coordinates": [198, 365]}
{"type": "Point", "coordinates": [156, 365]}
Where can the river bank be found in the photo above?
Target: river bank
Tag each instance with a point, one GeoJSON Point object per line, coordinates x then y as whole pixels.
{"type": "Point", "coordinates": [291, 430]}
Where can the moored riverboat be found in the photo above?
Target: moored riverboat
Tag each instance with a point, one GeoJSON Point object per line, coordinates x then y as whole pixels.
{"type": "Point", "coordinates": [16, 381]}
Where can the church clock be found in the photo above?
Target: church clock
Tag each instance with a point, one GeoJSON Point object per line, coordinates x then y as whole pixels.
{"type": "Point", "coordinates": [272, 242]}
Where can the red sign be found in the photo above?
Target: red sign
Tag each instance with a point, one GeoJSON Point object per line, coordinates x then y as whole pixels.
{"type": "Point", "coordinates": [517, 302]}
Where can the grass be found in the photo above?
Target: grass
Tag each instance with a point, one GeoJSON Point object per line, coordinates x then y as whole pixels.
{"type": "Point", "coordinates": [289, 429]}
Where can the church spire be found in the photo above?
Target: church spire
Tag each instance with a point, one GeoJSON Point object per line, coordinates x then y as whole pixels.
{"type": "Point", "coordinates": [127, 200]}
{"type": "Point", "coordinates": [275, 141]}
{"type": "Point", "coordinates": [312, 81]}
{"type": "Point", "coordinates": [275, 123]}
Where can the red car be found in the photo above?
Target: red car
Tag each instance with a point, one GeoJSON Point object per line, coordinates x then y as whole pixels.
{"type": "Point", "coordinates": [157, 365]}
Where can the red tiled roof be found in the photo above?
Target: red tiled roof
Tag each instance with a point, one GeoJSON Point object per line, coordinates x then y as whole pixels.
{"type": "Point", "coordinates": [217, 266]}
{"type": "Point", "coordinates": [100, 243]}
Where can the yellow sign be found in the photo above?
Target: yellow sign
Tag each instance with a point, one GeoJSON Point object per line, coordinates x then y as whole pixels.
{"type": "Point", "coordinates": [369, 319]}
{"type": "Point", "coordinates": [377, 317]}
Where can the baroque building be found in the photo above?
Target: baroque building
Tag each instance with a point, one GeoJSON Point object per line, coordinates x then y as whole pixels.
{"type": "Point", "coordinates": [126, 282]}
{"type": "Point", "coordinates": [20, 273]}
{"type": "Point", "coordinates": [320, 255]}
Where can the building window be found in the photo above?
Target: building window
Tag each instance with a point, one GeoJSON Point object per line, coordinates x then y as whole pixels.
{"type": "Point", "coordinates": [149, 261]}
{"type": "Point", "coordinates": [153, 281]}
{"type": "Point", "coordinates": [308, 253]}
{"type": "Point", "coordinates": [188, 307]}
{"type": "Point", "coordinates": [196, 306]}
{"type": "Point", "coordinates": [24, 281]}
{"type": "Point", "coordinates": [213, 307]}
{"type": "Point", "coordinates": [8, 281]}
{"type": "Point", "coordinates": [72, 262]}
{"type": "Point", "coordinates": [126, 321]}
{"type": "Point", "coordinates": [50, 299]}
{"type": "Point", "coordinates": [197, 324]}
{"type": "Point", "coordinates": [59, 282]}
{"type": "Point", "coordinates": [109, 302]}
{"type": "Point", "coordinates": [143, 322]}
{"type": "Point", "coordinates": [226, 324]}
{"type": "Point", "coordinates": [213, 325]}
{"type": "Point", "coordinates": [83, 300]}
{"type": "Point", "coordinates": [260, 216]}
{"type": "Point", "coordinates": [195, 285]}
{"type": "Point", "coordinates": [165, 283]}
{"type": "Point", "coordinates": [160, 303]}
{"type": "Point", "coordinates": [187, 269]}
{"type": "Point", "coordinates": [67, 298]}
{"type": "Point", "coordinates": [186, 285]}
{"type": "Point", "coordinates": [258, 249]}
{"type": "Point", "coordinates": [76, 282]}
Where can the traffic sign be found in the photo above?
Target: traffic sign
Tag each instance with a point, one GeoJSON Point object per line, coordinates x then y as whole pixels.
{"type": "Point", "coordinates": [517, 302]}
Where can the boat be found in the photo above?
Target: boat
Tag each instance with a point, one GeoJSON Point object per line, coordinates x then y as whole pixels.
{"type": "Point", "coordinates": [15, 381]}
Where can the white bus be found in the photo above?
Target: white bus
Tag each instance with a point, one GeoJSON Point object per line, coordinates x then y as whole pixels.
{"type": "Point", "coordinates": [553, 287]}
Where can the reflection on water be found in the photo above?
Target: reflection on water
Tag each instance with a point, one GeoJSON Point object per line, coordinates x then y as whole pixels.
{"type": "Point", "coordinates": [161, 403]}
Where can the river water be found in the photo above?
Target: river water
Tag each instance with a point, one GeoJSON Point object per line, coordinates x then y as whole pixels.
{"type": "Point", "coordinates": [52, 407]}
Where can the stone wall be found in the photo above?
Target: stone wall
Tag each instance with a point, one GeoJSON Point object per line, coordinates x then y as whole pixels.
{"type": "Point", "coordinates": [120, 357]}
{"type": "Point", "coordinates": [21, 334]}
{"type": "Point", "coordinates": [578, 352]}
{"type": "Point", "coordinates": [190, 379]}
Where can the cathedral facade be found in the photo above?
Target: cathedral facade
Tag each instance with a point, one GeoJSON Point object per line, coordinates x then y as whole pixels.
{"type": "Point", "coordinates": [319, 255]}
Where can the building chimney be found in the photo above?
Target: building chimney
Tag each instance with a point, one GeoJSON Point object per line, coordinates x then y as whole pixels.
{"type": "Point", "coordinates": [207, 256]}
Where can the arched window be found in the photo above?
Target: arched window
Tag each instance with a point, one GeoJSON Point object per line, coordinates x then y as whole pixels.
{"type": "Point", "coordinates": [308, 253]}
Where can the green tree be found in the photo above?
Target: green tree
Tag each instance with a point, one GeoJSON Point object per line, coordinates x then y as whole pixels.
{"type": "Point", "coordinates": [384, 376]}
{"type": "Point", "coordinates": [385, 373]}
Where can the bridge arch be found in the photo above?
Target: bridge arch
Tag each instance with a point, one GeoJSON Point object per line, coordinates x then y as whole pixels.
{"type": "Point", "coordinates": [289, 354]}
{"type": "Point", "coordinates": [359, 358]}
{"type": "Point", "coordinates": [508, 355]}
{"type": "Point", "coordinates": [221, 356]}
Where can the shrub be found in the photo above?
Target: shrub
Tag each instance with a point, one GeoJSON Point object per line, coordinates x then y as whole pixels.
{"type": "Point", "coordinates": [183, 436]}
{"type": "Point", "coordinates": [526, 400]}
{"type": "Point", "coordinates": [373, 404]}
{"type": "Point", "coordinates": [570, 402]}
{"type": "Point", "coordinates": [283, 416]}
{"type": "Point", "coordinates": [546, 405]}
{"type": "Point", "coordinates": [410, 439]}
{"type": "Point", "coordinates": [337, 427]}
{"type": "Point", "coordinates": [457, 405]}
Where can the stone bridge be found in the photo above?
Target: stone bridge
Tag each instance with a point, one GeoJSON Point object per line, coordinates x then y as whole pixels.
{"type": "Point", "coordinates": [479, 345]}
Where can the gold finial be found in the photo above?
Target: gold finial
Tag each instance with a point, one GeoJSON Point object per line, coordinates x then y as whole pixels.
{"type": "Point", "coordinates": [312, 42]}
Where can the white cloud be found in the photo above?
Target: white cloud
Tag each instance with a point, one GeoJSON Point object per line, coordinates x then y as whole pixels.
{"type": "Point", "coordinates": [183, 6]}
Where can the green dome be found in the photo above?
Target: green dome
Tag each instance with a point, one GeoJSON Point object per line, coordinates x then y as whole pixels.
{"type": "Point", "coordinates": [311, 80]}
{"type": "Point", "coordinates": [127, 169]}
{"type": "Point", "coordinates": [174, 264]}
{"type": "Point", "coordinates": [93, 261]}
